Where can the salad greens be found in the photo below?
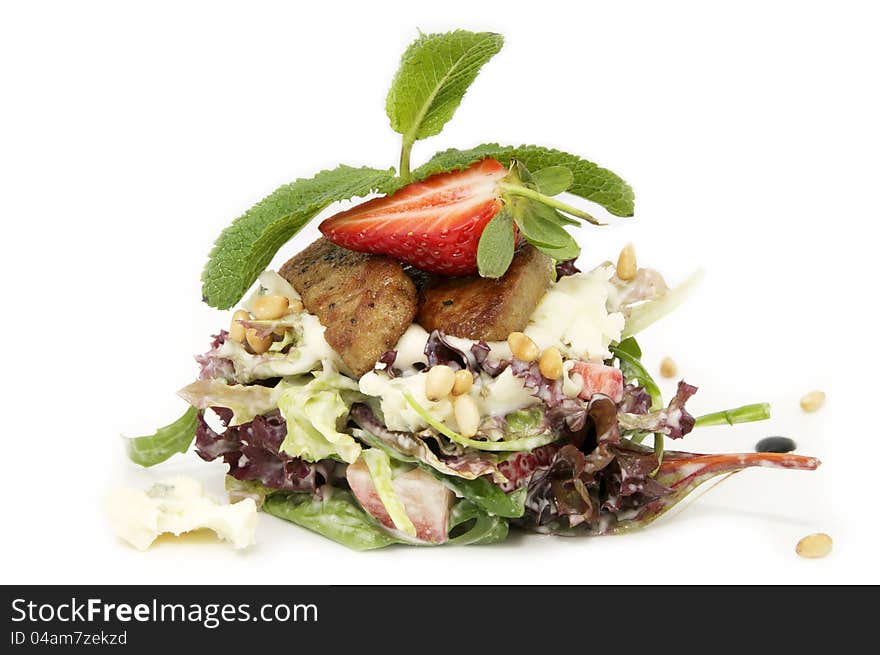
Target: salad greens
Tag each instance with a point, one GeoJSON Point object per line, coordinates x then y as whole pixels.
{"type": "Point", "coordinates": [314, 412]}
{"type": "Point", "coordinates": [173, 438]}
{"type": "Point", "coordinates": [554, 453]}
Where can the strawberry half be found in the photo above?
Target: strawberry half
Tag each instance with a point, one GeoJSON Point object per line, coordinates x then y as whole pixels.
{"type": "Point", "coordinates": [434, 225]}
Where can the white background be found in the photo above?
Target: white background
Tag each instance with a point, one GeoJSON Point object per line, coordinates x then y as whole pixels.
{"type": "Point", "coordinates": [132, 133]}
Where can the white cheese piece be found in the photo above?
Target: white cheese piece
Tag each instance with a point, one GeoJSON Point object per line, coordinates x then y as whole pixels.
{"type": "Point", "coordinates": [501, 395]}
{"type": "Point", "coordinates": [573, 316]}
{"type": "Point", "coordinates": [397, 411]}
{"type": "Point", "coordinates": [179, 505]}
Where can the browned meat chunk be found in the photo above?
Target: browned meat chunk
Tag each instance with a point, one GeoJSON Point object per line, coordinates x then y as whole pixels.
{"type": "Point", "coordinates": [482, 308]}
{"type": "Point", "coordinates": [365, 301]}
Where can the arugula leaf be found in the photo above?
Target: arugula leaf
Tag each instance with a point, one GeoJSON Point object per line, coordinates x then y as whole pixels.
{"type": "Point", "coordinates": [336, 515]}
{"type": "Point", "coordinates": [173, 438]}
{"type": "Point", "coordinates": [435, 72]}
{"type": "Point", "coordinates": [495, 249]}
{"type": "Point", "coordinates": [487, 496]}
{"type": "Point", "coordinates": [629, 352]}
{"type": "Point", "coordinates": [485, 530]}
{"type": "Point", "coordinates": [245, 248]}
{"type": "Point", "coordinates": [590, 181]}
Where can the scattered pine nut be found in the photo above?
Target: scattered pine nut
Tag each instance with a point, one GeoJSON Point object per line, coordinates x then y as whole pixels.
{"type": "Point", "coordinates": [550, 363]}
{"type": "Point", "coordinates": [814, 545]}
{"type": "Point", "coordinates": [257, 343]}
{"type": "Point", "coordinates": [236, 329]}
{"type": "Point", "coordinates": [467, 415]}
{"type": "Point", "coordinates": [439, 382]}
{"type": "Point", "coordinates": [813, 401]}
{"type": "Point", "coordinates": [464, 380]}
{"type": "Point", "coordinates": [626, 263]}
{"type": "Point", "coordinates": [522, 347]}
{"type": "Point", "coordinates": [271, 307]}
{"type": "Point", "coordinates": [668, 368]}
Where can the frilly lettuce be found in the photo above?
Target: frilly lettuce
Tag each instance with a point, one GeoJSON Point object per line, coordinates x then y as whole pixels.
{"type": "Point", "coordinates": [246, 402]}
{"type": "Point", "coordinates": [314, 412]}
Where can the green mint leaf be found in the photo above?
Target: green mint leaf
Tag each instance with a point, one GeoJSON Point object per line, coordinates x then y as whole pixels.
{"type": "Point", "coordinates": [435, 71]}
{"type": "Point", "coordinates": [173, 438]}
{"type": "Point", "coordinates": [537, 228]}
{"type": "Point", "coordinates": [570, 250]}
{"type": "Point", "coordinates": [553, 180]}
{"type": "Point", "coordinates": [591, 182]}
{"type": "Point", "coordinates": [245, 248]}
{"type": "Point", "coordinates": [495, 250]}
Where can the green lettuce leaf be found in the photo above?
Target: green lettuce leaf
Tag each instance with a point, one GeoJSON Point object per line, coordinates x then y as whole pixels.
{"type": "Point", "coordinates": [246, 402]}
{"type": "Point", "coordinates": [485, 529]}
{"type": "Point", "coordinates": [589, 181]}
{"type": "Point", "coordinates": [314, 412]}
{"type": "Point", "coordinates": [173, 438]}
{"type": "Point", "coordinates": [247, 246]}
{"type": "Point", "coordinates": [336, 515]}
{"type": "Point", "coordinates": [379, 465]}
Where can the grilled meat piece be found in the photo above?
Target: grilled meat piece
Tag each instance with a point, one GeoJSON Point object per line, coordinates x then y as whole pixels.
{"type": "Point", "coordinates": [482, 308]}
{"type": "Point", "coordinates": [365, 301]}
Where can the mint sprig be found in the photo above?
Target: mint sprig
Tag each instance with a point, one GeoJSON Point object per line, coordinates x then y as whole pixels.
{"type": "Point", "coordinates": [245, 248]}
{"type": "Point", "coordinates": [435, 72]}
{"type": "Point", "coordinates": [495, 249]}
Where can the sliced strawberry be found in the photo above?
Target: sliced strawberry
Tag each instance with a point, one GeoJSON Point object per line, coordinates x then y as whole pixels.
{"type": "Point", "coordinates": [425, 499]}
{"type": "Point", "coordinates": [434, 225]}
{"type": "Point", "coordinates": [599, 378]}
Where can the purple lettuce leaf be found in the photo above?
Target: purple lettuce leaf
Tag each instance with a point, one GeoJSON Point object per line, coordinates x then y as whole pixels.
{"type": "Point", "coordinates": [674, 421]}
{"type": "Point", "coordinates": [211, 365]}
{"type": "Point", "coordinates": [252, 452]}
{"type": "Point", "coordinates": [438, 350]}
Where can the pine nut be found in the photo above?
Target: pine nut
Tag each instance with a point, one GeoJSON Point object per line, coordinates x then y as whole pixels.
{"type": "Point", "coordinates": [464, 380]}
{"type": "Point", "coordinates": [236, 329]}
{"type": "Point", "coordinates": [814, 545]}
{"type": "Point", "coordinates": [466, 415]}
{"type": "Point", "coordinates": [522, 347]}
{"type": "Point", "coordinates": [668, 368]}
{"type": "Point", "coordinates": [813, 401]}
{"type": "Point", "coordinates": [626, 263]}
{"type": "Point", "coordinates": [257, 343]}
{"type": "Point", "coordinates": [551, 363]}
{"type": "Point", "coordinates": [271, 307]}
{"type": "Point", "coordinates": [439, 382]}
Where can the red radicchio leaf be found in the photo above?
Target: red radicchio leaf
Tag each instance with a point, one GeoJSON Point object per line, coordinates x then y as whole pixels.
{"type": "Point", "coordinates": [439, 351]}
{"type": "Point", "coordinates": [566, 268]}
{"type": "Point", "coordinates": [674, 421]}
{"type": "Point", "coordinates": [252, 451]}
{"type": "Point", "coordinates": [211, 365]}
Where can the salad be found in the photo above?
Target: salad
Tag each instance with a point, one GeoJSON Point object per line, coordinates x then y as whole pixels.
{"type": "Point", "coordinates": [438, 367]}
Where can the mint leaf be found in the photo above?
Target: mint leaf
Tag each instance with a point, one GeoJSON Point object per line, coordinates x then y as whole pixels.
{"type": "Point", "coordinates": [553, 180]}
{"type": "Point", "coordinates": [590, 181]}
{"type": "Point", "coordinates": [173, 438]}
{"type": "Point", "coordinates": [543, 233]}
{"type": "Point", "coordinates": [435, 71]}
{"type": "Point", "coordinates": [495, 250]}
{"type": "Point", "coordinates": [245, 248]}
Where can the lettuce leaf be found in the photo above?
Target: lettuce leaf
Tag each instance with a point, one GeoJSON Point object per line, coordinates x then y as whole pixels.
{"type": "Point", "coordinates": [173, 438]}
{"type": "Point", "coordinates": [379, 465]}
{"type": "Point", "coordinates": [246, 402]}
{"type": "Point", "coordinates": [314, 412]}
{"type": "Point", "coordinates": [335, 515]}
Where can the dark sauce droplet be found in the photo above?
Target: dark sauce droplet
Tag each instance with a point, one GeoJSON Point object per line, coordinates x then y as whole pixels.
{"type": "Point", "coordinates": [775, 445]}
